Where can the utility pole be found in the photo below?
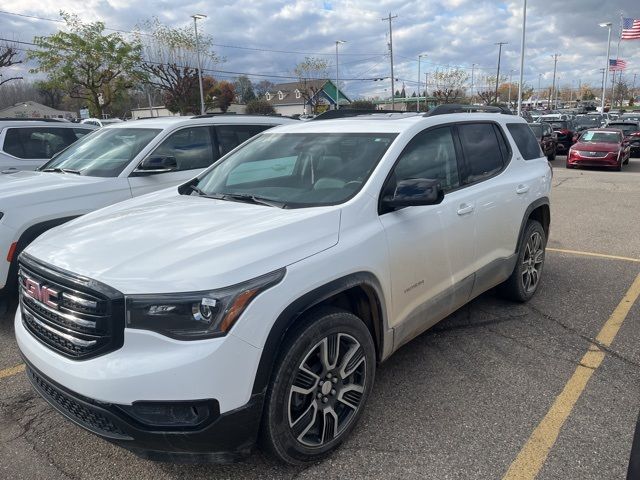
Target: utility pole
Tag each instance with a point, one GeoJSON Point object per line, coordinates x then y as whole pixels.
{"type": "Point", "coordinates": [633, 86]}
{"type": "Point", "coordinates": [473, 67]}
{"type": "Point", "coordinates": [338, 42]}
{"type": "Point", "coordinates": [393, 91]}
{"type": "Point", "coordinates": [426, 86]}
{"type": "Point", "coordinates": [498, 71]}
{"type": "Point", "coordinates": [510, 82]}
{"type": "Point", "coordinates": [524, 29]}
{"type": "Point", "coordinates": [419, 82]}
{"type": "Point", "coordinates": [196, 17]}
{"type": "Point", "coordinates": [555, 102]}
{"type": "Point", "coordinates": [553, 83]}
{"type": "Point", "coordinates": [539, 90]}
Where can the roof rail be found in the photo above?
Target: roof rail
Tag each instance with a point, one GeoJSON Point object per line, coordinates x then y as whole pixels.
{"type": "Point", "coordinates": [351, 112]}
{"type": "Point", "coordinates": [234, 114]}
{"type": "Point", "coordinates": [22, 119]}
{"type": "Point", "coordinates": [460, 108]}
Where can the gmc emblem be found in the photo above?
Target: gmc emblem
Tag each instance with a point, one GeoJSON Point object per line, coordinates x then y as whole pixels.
{"type": "Point", "coordinates": [41, 293]}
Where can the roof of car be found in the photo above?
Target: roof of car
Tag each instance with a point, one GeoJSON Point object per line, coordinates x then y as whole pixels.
{"type": "Point", "coordinates": [391, 122]}
{"type": "Point", "coordinates": [166, 122]}
{"type": "Point", "coordinates": [40, 123]}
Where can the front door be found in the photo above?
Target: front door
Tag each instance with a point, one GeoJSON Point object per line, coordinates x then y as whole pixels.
{"type": "Point", "coordinates": [430, 247]}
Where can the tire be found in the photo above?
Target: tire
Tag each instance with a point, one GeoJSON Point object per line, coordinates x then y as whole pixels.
{"type": "Point", "coordinates": [552, 156]}
{"type": "Point", "coordinates": [618, 168]}
{"type": "Point", "coordinates": [523, 283]}
{"type": "Point", "coordinates": [626, 162]}
{"type": "Point", "coordinates": [291, 428]}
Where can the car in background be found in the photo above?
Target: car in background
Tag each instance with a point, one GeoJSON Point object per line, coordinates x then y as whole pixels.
{"type": "Point", "coordinates": [551, 117]}
{"type": "Point", "coordinates": [631, 131]}
{"type": "Point", "coordinates": [547, 138]}
{"type": "Point", "coordinates": [601, 147]}
{"type": "Point", "coordinates": [565, 131]}
{"type": "Point", "coordinates": [527, 116]}
{"type": "Point", "coordinates": [113, 164]}
{"type": "Point", "coordinates": [630, 117]}
{"type": "Point", "coordinates": [101, 122]}
{"type": "Point", "coordinates": [27, 144]}
{"type": "Point", "coordinates": [591, 120]}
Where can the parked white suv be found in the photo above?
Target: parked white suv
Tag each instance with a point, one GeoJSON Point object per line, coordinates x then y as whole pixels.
{"type": "Point", "coordinates": [27, 144]}
{"type": "Point", "coordinates": [258, 298]}
{"type": "Point", "coordinates": [114, 164]}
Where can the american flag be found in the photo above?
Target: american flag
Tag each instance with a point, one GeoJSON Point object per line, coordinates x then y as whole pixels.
{"type": "Point", "coordinates": [616, 64]}
{"type": "Point", "coordinates": [630, 29]}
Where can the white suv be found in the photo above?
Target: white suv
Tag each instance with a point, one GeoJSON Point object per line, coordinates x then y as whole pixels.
{"type": "Point", "coordinates": [258, 299]}
{"type": "Point", "coordinates": [116, 163]}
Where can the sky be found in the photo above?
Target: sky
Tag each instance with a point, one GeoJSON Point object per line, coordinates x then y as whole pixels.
{"type": "Point", "coordinates": [275, 35]}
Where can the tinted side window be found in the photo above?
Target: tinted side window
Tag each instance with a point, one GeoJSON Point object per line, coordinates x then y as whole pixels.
{"type": "Point", "coordinates": [35, 143]}
{"type": "Point", "coordinates": [191, 147]}
{"type": "Point", "coordinates": [482, 151]}
{"type": "Point", "coordinates": [230, 136]}
{"type": "Point", "coordinates": [525, 140]}
{"type": "Point", "coordinates": [81, 132]}
{"type": "Point", "coordinates": [431, 154]}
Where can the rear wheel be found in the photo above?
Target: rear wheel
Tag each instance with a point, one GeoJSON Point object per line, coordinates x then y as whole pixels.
{"type": "Point", "coordinates": [319, 388]}
{"type": "Point", "coordinates": [523, 283]}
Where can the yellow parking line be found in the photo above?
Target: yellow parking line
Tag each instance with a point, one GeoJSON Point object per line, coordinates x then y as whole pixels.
{"type": "Point", "coordinates": [9, 372]}
{"type": "Point", "coordinates": [534, 453]}
{"type": "Point", "coordinates": [593, 254]}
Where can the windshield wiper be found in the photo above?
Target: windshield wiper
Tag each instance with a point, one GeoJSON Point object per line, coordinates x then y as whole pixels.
{"type": "Point", "coordinates": [197, 190]}
{"type": "Point", "coordinates": [62, 170]}
{"type": "Point", "coordinates": [241, 197]}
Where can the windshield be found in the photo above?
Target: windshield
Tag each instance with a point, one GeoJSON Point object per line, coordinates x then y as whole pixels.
{"type": "Point", "coordinates": [557, 125]}
{"type": "Point", "coordinates": [104, 153]}
{"type": "Point", "coordinates": [631, 117]}
{"type": "Point", "coordinates": [292, 170]}
{"type": "Point", "coordinates": [537, 130]}
{"type": "Point", "coordinates": [627, 128]}
{"type": "Point", "coordinates": [591, 121]}
{"type": "Point", "coordinates": [600, 137]}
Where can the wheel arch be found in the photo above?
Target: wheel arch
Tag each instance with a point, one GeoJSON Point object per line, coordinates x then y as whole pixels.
{"type": "Point", "coordinates": [359, 293]}
{"type": "Point", "coordinates": [538, 210]}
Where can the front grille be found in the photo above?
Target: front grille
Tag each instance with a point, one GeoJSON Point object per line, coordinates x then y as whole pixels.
{"type": "Point", "coordinates": [593, 154]}
{"type": "Point", "coordinates": [82, 412]}
{"type": "Point", "coordinates": [76, 317]}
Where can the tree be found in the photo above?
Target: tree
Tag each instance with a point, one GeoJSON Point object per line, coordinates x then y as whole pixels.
{"type": "Point", "coordinates": [259, 106]}
{"type": "Point", "coordinates": [171, 64]}
{"type": "Point", "coordinates": [309, 71]}
{"type": "Point", "coordinates": [86, 63]}
{"type": "Point", "coordinates": [50, 93]}
{"type": "Point", "coordinates": [221, 95]}
{"type": "Point", "coordinates": [362, 105]}
{"type": "Point", "coordinates": [8, 57]}
{"type": "Point", "coordinates": [244, 89]}
{"type": "Point", "coordinates": [486, 89]}
{"type": "Point", "coordinates": [262, 87]}
{"type": "Point", "coordinates": [449, 84]}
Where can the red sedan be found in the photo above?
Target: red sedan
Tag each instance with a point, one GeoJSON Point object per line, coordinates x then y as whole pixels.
{"type": "Point", "coordinates": [599, 147]}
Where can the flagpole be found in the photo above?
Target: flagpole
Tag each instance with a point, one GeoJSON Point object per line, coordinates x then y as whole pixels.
{"type": "Point", "coordinates": [606, 68]}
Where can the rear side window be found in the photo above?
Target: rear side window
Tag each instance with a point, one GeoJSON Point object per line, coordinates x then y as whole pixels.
{"type": "Point", "coordinates": [37, 142]}
{"type": "Point", "coordinates": [483, 149]}
{"type": "Point", "coordinates": [525, 140]}
{"type": "Point", "coordinates": [230, 136]}
{"type": "Point", "coordinates": [191, 147]}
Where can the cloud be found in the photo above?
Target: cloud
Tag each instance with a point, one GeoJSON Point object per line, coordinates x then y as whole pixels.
{"type": "Point", "coordinates": [450, 32]}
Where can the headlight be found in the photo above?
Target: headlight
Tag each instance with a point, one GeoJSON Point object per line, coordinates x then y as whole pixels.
{"type": "Point", "coordinates": [196, 315]}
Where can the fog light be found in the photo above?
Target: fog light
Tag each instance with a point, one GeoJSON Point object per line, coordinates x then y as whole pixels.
{"type": "Point", "coordinates": [173, 415]}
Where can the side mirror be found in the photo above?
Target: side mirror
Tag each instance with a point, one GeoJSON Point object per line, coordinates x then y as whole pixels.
{"type": "Point", "coordinates": [414, 192]}
{"type": "Point", "coordinates": [156, 164]}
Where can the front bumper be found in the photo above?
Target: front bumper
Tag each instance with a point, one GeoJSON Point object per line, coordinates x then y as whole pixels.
{"type": "Point", "coordinates": [7, 237]}
{"type": "Point", "coordinates": [580, 161]}
{"type": "Point", "coordinates": [221, 438]}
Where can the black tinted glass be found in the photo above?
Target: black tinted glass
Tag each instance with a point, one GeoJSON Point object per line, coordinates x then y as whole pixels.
{"type": "Point", "coordinates": [525, 140]}
{"type": "Point", "coordinates": [481, 151]}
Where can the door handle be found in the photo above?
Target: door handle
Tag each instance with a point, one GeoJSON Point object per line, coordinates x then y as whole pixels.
{"type": "Point", "coordinates": [522, 189]}
{"type": "Point", "coordinates": [465, 208]}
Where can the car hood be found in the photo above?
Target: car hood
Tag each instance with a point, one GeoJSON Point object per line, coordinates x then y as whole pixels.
{"type": "Point", "coordinates": [168, 242]}
{"type": "Point", "coordinates": [596, 147]}
{"type": "Point", "coordinates": [23, 187]}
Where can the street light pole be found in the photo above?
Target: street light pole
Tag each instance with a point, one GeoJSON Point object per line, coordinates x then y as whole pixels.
{"type": "Point", "coordinates": [606, 65]}
{"type": "Point", "coordinates": [419, 83]}
{"type": "Point", "coordinates": [553, 83]}
{"type": "Point", "coordinates": [196, 17]}
{"type": "Point", "coordinates": [473, 68]}
{"type": "Point", "coordinates": [393, 92]}
{"type": "Point", "coordinates": [338, 42]}
{"type": "Point", "coordinates": [510, 82]}
{"type": "Point", "coordinates": [498, 71]}
{"type": "Point", "coordinates": [524, 28]}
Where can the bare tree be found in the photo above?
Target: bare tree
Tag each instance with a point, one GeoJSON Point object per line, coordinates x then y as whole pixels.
{"type": "Point", "coordinates": [449, 84]}
{"type": "Point", "coordinates": [311, 72]}
{"type": "Point", "coordinates": [9, 56]}
{"type": "Point", "coordinates": [262, 87]}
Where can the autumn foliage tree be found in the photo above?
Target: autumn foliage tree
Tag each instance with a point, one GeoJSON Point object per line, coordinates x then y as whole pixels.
{"type": "Point", "coordinates": [87, 63]}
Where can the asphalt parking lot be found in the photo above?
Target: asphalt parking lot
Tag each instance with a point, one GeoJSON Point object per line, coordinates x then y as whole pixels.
{"type": "Point", "coordinates": [482, 395]}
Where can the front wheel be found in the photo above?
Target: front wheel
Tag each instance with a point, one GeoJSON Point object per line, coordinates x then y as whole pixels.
{"type": "Point", "coordinates": [319, 388]}
{"type": "Point", "coordinates": [521, 286]}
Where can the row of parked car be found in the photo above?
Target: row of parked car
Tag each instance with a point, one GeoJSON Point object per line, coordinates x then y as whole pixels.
{"type": "Point", "coordinates": [252, 299]}
{"type": "Point", "coordinates": [589, 139]}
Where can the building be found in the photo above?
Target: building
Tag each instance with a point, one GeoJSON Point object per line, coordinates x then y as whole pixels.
{"type": "Point", "coordinates": [300, 98]}
{"type": "Point", "coordinates": [35, 110]}
{"type": "Point", "coordinates": [162, 111]}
